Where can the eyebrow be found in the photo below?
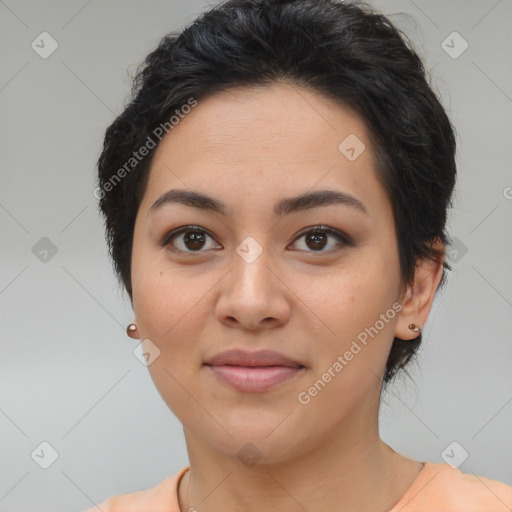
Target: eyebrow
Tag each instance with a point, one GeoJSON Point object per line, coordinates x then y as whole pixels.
{"type": "Point", "coordinates": [284, 206]}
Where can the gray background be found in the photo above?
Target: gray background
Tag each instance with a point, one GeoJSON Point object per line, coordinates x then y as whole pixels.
{"type": "Point", "coordinates": [67, 372]}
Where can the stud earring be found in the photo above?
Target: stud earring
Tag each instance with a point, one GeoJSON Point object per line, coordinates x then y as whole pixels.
{"type": "Point", "coordinates": [130, 330]}
{"type": "Point", "coordinates": [415, 328]}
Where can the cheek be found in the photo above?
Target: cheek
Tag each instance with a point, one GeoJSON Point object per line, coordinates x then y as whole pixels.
{"type": "Point", "coordinates": [164, 301]}
{"type": "Point", "coordinates": [149, 297]}
{"type": "Point", "coordinates": [352, 353]}
{"type": "Point", "coordinates": [166, 315]}
{"type": "Point", "coordinates": [170, 309]}
{"type": "Point", "coordinates": [351, 298]}
{"type": "Point", "coordinates": [358, 318]}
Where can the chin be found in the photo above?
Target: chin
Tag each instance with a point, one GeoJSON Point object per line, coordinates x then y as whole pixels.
{"type": "Point", "coordinates": [256, 443]}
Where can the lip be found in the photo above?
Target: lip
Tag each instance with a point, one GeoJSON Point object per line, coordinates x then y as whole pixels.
{"type": "Point", "coordinates": [255, 378]}
{"type": "Point", "coordinates": [254, 371]}
{"type": "Point", "coordinates": [237, 357]}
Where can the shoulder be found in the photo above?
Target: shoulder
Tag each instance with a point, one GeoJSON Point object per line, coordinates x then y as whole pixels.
{"type": "Point", "coordinates": [161, 498]}
{"type": "Point", "coordinates": [443, 488]}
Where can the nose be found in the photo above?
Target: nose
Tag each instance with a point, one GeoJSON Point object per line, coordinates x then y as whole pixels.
{"type": "Point", "coordinates": [254, 296]}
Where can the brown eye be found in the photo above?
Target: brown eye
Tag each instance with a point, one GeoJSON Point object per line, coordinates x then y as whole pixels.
{"type": "Point", "coordinates": [318, 238]}
{"type": "Point", "coordinates": [188, 239]}
{"type": "Point", "coordinates": [192, 239]}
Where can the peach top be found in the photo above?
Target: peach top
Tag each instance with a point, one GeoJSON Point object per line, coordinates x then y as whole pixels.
{"type": "Point", "coordinates": [437, 488]}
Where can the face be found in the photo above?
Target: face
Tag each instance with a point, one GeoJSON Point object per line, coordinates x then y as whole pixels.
{"type": "Point", "coordinates": [317, 281]}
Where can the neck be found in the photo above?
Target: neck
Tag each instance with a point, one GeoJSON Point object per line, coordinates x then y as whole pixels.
{"type": "Point", "coordinates": [351, 470]}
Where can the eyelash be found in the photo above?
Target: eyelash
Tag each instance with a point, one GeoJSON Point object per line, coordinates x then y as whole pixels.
{"type": "Point", "coordinates": [339, 235]}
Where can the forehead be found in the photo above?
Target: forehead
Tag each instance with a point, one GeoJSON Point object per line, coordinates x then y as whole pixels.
{"type": "Point", "coordinates": [250, 121]}
{"type": "Point", "coordinates": [274, 141]}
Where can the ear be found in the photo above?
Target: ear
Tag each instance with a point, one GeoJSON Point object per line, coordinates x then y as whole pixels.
{"type": "Point", "coordinates": [417, 299]}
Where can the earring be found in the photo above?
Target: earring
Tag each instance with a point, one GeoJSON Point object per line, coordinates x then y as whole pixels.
{"type": "Point", "coordinates": [415, 328]}
{"type": "Point", "coordinates": [130, 330]}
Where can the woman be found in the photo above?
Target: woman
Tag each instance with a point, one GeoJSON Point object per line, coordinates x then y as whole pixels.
{"type": "Point", "coordinates": [275, 198]}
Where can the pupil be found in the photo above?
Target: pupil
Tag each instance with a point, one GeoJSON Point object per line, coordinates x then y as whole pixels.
{"type": "Point", "coordinates": [193, 237]}
{"type": "Point", "coordinates": [316, 238]}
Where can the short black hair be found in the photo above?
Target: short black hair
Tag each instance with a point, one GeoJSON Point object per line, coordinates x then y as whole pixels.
{"type": "Point", "coordinates": [345, 51]}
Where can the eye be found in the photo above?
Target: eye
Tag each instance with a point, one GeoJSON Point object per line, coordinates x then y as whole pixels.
{"type": "Point", "coordinates": [194, 239]}
{"type": "Point", "coordinates": [317, 238]}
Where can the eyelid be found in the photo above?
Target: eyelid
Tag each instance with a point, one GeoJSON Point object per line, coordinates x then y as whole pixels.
{"type": "Point", "coordinates": [178, 231]}
{"type": "Point", "coordinates": [342, 236]}
{"type": "Point", "coordinates": [327, 229]}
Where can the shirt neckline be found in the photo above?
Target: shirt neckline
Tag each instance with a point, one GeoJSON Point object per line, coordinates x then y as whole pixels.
{"type": "Point", "coordinates": [413, 489]}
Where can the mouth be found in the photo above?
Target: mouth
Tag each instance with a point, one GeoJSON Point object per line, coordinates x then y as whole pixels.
{"type": "Point", "coordinates": [254, 371]}
{"type": "Point", "coordinates": [255, 378]}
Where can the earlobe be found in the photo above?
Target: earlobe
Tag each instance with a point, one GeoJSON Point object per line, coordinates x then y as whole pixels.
{"type": "Point", "coordinates": [419, 297]}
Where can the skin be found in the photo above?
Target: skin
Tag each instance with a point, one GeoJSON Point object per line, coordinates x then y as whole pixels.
{"type": "Point", "coordinates": [249, 148]}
